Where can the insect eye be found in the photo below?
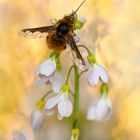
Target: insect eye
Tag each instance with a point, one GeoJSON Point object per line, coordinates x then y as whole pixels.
{"type": "Point", "coordinates": [63, 28]}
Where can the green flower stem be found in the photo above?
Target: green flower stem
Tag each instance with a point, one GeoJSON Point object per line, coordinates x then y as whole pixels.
{"type": "Point", "coordinates": [54, 54]}
{"type": "Point", "coordinates": [58, 65]}
{"type": "Point", "coordinates": [76, 98]}
{"type": "Point", "coordinates": [68, 75]}
{"type": "Point", "coordinates": [87, 49]}
{"type": "Point", "coordinates": [43, 98]}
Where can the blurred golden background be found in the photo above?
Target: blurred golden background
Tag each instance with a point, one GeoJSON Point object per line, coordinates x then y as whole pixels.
{"type": "Point", "coordinates": [119, 52]}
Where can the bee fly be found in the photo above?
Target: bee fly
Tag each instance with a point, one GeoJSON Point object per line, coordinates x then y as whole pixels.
{"type": "Point", "coordinates": [58, 36]}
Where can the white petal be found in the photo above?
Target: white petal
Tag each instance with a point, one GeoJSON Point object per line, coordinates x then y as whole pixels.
{"type": "Point", "coordinates": [48, 67]}
{"type": "Point", "coordinates": [103, 109]}
{"type": "Point", "coordinates": [44, 80]}
{"type": "Point", "coordinates": [59, 117]}
{"type": "Point", "coordinates": [92, 76]}
{"type": "Point", "coordinates": [52, 102]}
{"type": "Point", "coordinates": [37, 118]}
{"type": "Point", "coordinates": [65, 107]}
{"type": "Point", "coordinates": [109, 114]}
{"type": "Point", "coordinates": [18, 135]}
{"type": "Point", "coordinates": [50, 112]}
{"type": "Point", "coordinates": [57, 82]}
{"type": "Point", "coordinates": [91, 114]}
{"type": "Point", "coordinates": [102, 73]}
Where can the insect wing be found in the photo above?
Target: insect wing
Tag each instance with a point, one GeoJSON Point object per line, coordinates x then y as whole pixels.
{"type": "Point", "coordinates": [75, 54]}
{"type": "Point", "coordinates": [36, 32]}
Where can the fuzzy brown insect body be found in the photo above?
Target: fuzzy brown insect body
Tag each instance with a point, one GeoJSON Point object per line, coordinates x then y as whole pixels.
{"type": "Point", "coordinates": [59, 37]}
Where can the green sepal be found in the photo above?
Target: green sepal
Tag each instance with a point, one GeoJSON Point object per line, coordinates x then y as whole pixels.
{"type": "Point", "coordinates": [54, 55]}
{"type": "Point", "coordinates": [78, 24]}
{"type": "Point", "coordinates": [65, 88]}
{"type": "Point", "coordinates": [104, 90]}
{"type": "Point", "coordinates": [58, 65]}
{"type": "Point", "coordinates": [91, 59]}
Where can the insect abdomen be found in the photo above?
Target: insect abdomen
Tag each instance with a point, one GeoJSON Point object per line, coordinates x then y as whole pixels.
{"type": "Point", "coordinates": [56, 42]}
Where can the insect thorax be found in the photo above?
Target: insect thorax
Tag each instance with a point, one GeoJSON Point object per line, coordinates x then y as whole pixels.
{"type": "Point", "coordinates": [63, 28]}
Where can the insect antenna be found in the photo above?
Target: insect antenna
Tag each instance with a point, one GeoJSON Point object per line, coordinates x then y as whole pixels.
{"type": "Point", "coordinates": [78, 8]}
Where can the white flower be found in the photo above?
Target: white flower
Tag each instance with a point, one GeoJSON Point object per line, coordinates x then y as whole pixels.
{"type": "Point", "coordinates": [47, 68]}
{"type": "Point", "coordinates": [57, 82]}
{"type": "Point", "coordinates": [65, 106]}
{"type": "Point", "coordinates": [37, 119]}
{"type": "Point", "coordinates": [63, 103]}
{"type": "Point", "coordinates": [46, 71]}
{"type": "Point", "coordinates": [95, 73]}
{"type": "Point", "coordinates": [100, 109]}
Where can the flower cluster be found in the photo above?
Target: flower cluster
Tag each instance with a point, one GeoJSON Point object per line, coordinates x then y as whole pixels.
{"type": "Point", "coordinates": [50, 72]}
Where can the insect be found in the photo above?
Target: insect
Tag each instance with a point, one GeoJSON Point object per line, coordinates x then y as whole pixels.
{"type": "Point", "coordinates": [59, 37]}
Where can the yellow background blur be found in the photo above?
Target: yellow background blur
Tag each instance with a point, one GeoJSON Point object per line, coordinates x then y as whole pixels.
{"type": "Point", "coordinates": [119, 52]}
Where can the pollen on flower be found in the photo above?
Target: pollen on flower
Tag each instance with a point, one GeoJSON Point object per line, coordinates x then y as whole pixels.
{"type": "Point", "coordinates": [40, 104]}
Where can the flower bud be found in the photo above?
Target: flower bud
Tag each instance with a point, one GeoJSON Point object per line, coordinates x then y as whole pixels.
{"type": "Point", "coordinates": [75, 134]}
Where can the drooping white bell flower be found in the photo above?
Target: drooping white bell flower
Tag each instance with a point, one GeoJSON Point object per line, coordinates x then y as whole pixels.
{"type": "Point", "coordinates": [37, 116]}
{"type": "Point", "coordinates": [101, 108]}
{"type": "Point", "coordinates": [62, 101]}
{"type": "Point", "coordinates": [47, 68]}
{"type": "Point", "coordinates": [96, 72]}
